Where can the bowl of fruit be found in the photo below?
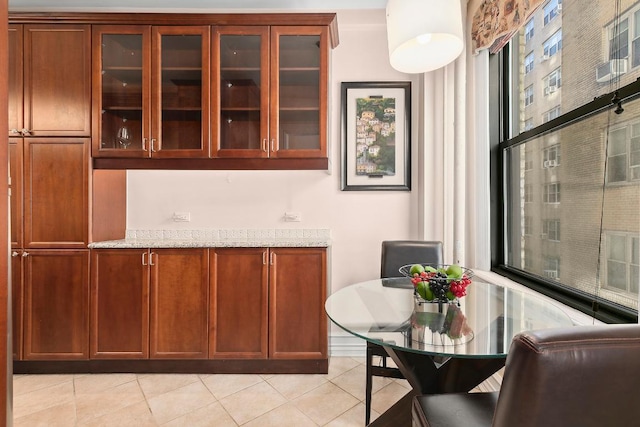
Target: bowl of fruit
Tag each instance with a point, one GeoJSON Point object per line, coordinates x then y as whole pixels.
{"type": "Point", "coordinates": [440, 283]}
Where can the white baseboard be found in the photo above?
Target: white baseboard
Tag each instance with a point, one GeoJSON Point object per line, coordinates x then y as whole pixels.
{"type": "Point", "coordinates": [346, 346]}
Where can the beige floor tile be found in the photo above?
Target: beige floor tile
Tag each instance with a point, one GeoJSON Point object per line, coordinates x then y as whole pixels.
{"type": "Point", "coordinates": [354, 382]}
{"type": "Point", "coordinates": [286, 415]}
{"type": "Point", "coordinates": [387, 396]}
{"type": "Point", "coordinates": [136, 415]}
{"type": "Point", "coordinates": [223, 385]}
{"type": "Point", "coordinates": [95, 404]}
{"type": "Point", "coordinates": [340, 365]}
{"type": "Point", "coordinates": [156, 384]}
{"type": "Point", "coordinates": [325, 403]}
{"type": "Point", "coordinates": [100, 382]}
{"type": "Point", "coordinates": [29, 383]}
{"type": "Point", "coordinates": [252, 402]}
{"type": "Point", "coordinates": [56, 416]}
{"type": "Point", "coordinates": [292, 386]}
{"type": "Point", "coordinates": [213, 415]}
{"type": "Point", "coordinates": [181, 401]}
{"type": "Point", "coordinates": [43, 398]}
{"type": "Point", "coordinates": [354, 417]}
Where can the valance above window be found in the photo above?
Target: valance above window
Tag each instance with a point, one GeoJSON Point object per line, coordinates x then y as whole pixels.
{"type": "Point", "coordinates": [495, 22]}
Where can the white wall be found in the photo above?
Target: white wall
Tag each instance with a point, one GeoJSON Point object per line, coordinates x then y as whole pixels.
{"type": "Point", "coordinates": [358, 220]}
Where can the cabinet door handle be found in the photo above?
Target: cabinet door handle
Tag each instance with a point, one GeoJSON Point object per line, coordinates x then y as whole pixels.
{"type": "Point", "coordinates": [264, 258]}
{"type": "Point", "coordinates": [144, 258]}
{"type": "Point", "coordinates": [14, 253]}
{"type": "Point", "coordinates": [144, 144]}
{"type": "Point", "coordinates": [272, 258]}
{"type": "Point", "coordinates": [24, 254]}
{"type": "Point", "coordinates": [153, 148]}
{"type": "Point", "coordinates": [15, 131]}
{"type": "Point", "coordinates": [274, 147]}
{"type": "Point", "coordinates": [25, 132]}
{"type": "Point", "coordinates": [151, 258]}
{"type": "Point", "coordinates": [264, 145]}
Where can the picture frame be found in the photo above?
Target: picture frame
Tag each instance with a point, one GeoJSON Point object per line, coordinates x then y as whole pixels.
{"type": "Point", "coordinates": [376, 136]}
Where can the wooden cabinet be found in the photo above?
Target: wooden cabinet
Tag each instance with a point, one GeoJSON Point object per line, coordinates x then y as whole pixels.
{"type": "Point", "coordinates": [17, 284]}
{"type": "Point", "coordinates": [56, 305]}
{"type": "Point", "coordinates": [50, 192]}
{"type": "Point", "coordinates": [49, 80]}
{"type": "Point", "coordinates": [239, 303]}
{"type": "Point", "coordinates": [297, 292]}
{"type": "Point", "coordinates": [294, 326]}
{"type": "Point", "coordinates": [270, 91]}
{"type": "Point", "coordinates": [149, 303]}
{"type": "Point", "coordinates": [151, 91]}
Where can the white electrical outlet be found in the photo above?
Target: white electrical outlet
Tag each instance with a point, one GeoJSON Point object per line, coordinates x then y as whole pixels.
{"type": "Point", "coordinates": [292, 217]}
{"type": "Point", "coordinates": [182, 216]}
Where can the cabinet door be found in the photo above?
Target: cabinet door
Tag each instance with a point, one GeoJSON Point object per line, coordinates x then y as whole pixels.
{"type": "Point", "coordinates": [298, 97]}
{"type": "Point", "coordinates": [15, 91]}
{"type": "Point", "coordinates": [16, 302]}
{"type": "Point", "coordinates": [56, 209]}
{"type": "Point", "coordinates": [57, 80]}
{"type": "Point", "coordinates": [240, 92]}
{"type": "Point", "coordinates": [239, 298]}
{"type": "Point", "coordinates": [181, 88]}
{"type": "Point", "coordinates": [16, 200]}
{"type": "Point", "coordinates": [122, 100]}
{"type": "Point", "coordinates": [56, 304]}
{"type": "Point", "coordinates": [179, 303]}
{"type": "Point", "coordinates": [119, 304]}
{"type": "Point", "coordinates": [297, 292]}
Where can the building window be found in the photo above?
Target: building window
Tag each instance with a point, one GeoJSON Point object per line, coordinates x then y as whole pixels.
{"type": "Point", "coordinates": [552, 81]}
{"type": "Point", "coordinates": [551, 156]}
{"type": "Point", "coordinates": [526, 228]}
{"type": "Point", "coordinates": [528, 194]}
{"type": "Point", "coordinates": [551, 114]}
{"type": "Point", "coordinates": [623, 262]}
{"type": "Point", "coordinates": [528, 96]}
{"type": "Point", "coordinates": [551, 10]}
{"type": "Point", "coordinates": [635, 44]}
{"type": "Point", "coordinates": [552, 192]}
{"type": "Point", "coordinates": [528, 160]}
{"type": "Point", "coordinates": [553, 44]}
{"type": "Point", "coordinates": [551, 230]}
{"type": "Point", "coordinates": [528, 63]}
{"type": "Point", "coordinates": [619, 40]}
{"type": "Point", "coordinates": [624, 154]}
{"type": "Point", "coordinates": [551, 268]}
{"type": "Point", "coordinates": [528, 30]}
{"type": "Point", "coordinates": [528, 124]}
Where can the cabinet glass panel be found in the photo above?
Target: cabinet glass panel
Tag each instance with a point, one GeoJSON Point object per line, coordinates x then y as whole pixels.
{"type": "Point", "coordinates": [121, 91]}
{"type": "Point", "coordinates": [299, 97]}
{"type": "Point", "coordinates": [181, 74]}
{"type": "Point", "coordinates": [240, 88]}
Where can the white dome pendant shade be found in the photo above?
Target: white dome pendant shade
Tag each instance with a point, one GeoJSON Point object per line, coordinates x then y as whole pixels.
{"type": "Point", "coordinates": [423, 35]}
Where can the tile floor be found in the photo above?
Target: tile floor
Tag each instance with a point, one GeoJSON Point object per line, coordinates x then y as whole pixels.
{"type": "Point", "coordinates": [139, 400]}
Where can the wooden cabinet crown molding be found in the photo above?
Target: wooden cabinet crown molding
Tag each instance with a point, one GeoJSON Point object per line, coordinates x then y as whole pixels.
{"type": "Point", "coordinates": [328, 19]}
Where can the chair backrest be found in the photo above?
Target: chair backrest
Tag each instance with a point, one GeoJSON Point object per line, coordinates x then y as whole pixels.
{"type": "Point", "coordinates": [396, 253]}
{"type": "Point", "coordinates": [581, 376]}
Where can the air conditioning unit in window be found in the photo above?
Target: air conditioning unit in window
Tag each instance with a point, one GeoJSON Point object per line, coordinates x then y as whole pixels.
{"type": "Point", "coordinates": [551, 274]}
{"type": "Point", "coordinates": [550, 89]}
{"type": "Point", "coordinates": [560, 7]}
{"type": "Point", "coordinates": [549, 163]}
{"type": "Point", "coordinates": [610, 70]}
{"type": "Point", "coordinates": [544, 58]}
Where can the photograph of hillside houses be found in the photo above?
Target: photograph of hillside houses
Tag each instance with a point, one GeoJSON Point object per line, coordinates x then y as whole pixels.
{"type": "Point", "coordinates": [376, 136]}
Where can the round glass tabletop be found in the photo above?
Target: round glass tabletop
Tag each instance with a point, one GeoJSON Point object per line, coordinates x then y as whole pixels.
{"type": "Point", "coordinates": [481, 325]}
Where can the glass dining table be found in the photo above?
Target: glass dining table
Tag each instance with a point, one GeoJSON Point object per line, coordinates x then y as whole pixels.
{"type": "Point", "coordinates": [440, 348]}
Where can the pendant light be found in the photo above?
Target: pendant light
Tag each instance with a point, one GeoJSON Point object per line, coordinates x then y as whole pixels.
{"type": "Point", "coordinates": [423, 35]}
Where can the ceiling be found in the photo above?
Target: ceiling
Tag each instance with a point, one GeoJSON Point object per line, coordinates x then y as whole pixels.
{"type": "Point", "coordinates": [193, 5]}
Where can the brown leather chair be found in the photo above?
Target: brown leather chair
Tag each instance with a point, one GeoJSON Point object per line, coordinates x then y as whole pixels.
{"type": "Point", "coordinates": [582, 376]}
{"type": "Point", "coordinates": [395, 254]}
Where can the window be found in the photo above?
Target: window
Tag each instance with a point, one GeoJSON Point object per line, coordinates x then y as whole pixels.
{"type": "Point", "coordinates": [551, 114]}
{"type": "Point", "coordinates": [528, 63]}
{"type": "Point", "coordinates": [619, 40]}
{"type": "Point", "coordinates": [553, 44]}
{"type": "Point", "coordinates": [528, 96]}
{"type": "Point", "coordinates": [575, 165]}
{"type": "Point", "coordinates": [552, 82]}
{"type": "Point", "coordinates": [551, 156]}
{"type": "Point", "coordinates": [551, 10]}
{"type": "Point", "coordinates": [623, 261]}
{"type": "Point", "coordinates": [624, 154]}
{"type": "Point", "coordinates": [552, 193]}
{"type": "Point", "coordinates": [551, 229]}
{"type": "Point", "coordinates": [528, 30]}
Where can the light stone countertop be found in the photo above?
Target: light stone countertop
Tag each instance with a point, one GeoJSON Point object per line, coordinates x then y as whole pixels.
{"type": "Point", "coordinates": [214, 238]}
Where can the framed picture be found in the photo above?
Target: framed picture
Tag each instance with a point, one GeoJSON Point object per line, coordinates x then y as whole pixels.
{"type": "Point", "coordinates": [376, 136]}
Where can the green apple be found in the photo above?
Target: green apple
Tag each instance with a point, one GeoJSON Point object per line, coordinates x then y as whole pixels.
{"type": "Point", "coordinates": [454, 271]}
{"type": "Point", "coordinates": [416, 269]}
{"type": "Point", "coordinates": [429, 269]}
{"type": "Point", "coordinates": [424, 291]}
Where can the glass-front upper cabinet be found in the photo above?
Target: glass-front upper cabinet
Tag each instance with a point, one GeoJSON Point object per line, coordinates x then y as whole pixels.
{"type": "Point", "coordinates": [270, 92]}
{"type": "Point", "coordinates": [152, 86]}
{"type": "Point", "coordinates": [299, 64]}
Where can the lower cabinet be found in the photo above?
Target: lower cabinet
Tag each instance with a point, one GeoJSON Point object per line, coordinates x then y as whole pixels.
{"type": "Point", "coordinates": [149, 303]}
{"type": "Point", "coordinates": [268, 303]}
{"type": "Point", "coordinates": [55, 292]}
